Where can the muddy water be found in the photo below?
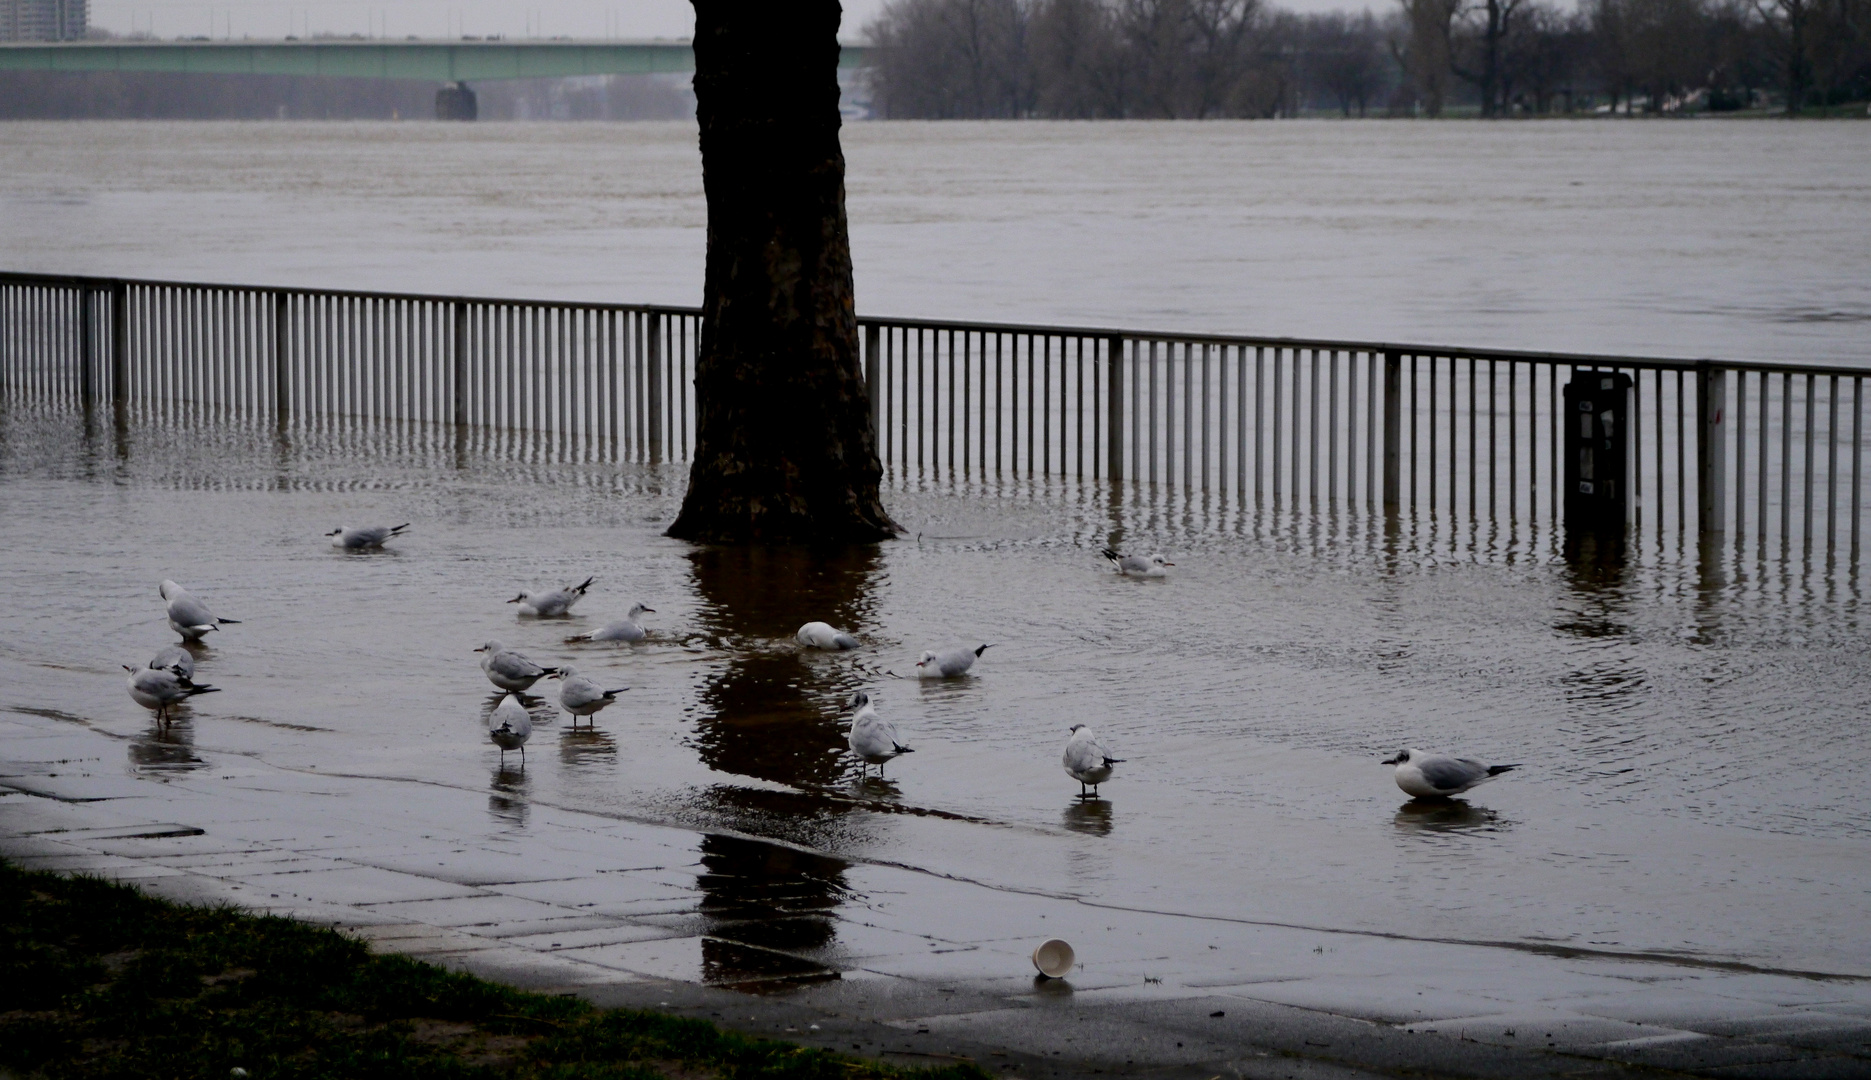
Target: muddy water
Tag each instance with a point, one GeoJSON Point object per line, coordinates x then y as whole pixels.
{"type": "Point", "coordinates": [1740, 240]}
{"type": "Point", "coordinates": [1692, 737]}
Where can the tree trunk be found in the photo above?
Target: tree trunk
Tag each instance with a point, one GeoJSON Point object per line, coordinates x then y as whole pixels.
{"type": "Point", "coordinates": [785, 451]}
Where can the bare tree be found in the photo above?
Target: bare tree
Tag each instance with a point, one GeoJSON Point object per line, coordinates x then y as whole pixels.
{"type": "Point", "coordinates": [1422, 51]}
{"type": "Point", "coordinates": [1344, 58]}
{"type": "Point", "coordinates": [1078, 72]}
{"type": "Point", "coordinates": [785, 450]}
{"type": "Point", "coordinates": [943, 59]}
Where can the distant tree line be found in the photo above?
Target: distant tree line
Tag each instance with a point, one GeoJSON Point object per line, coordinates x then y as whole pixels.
{"type": "Point", "coordinates": [1246, 58]}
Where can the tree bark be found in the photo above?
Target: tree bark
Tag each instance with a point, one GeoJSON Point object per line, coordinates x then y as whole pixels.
{"type": "Point", "coordinates": [785, 451]}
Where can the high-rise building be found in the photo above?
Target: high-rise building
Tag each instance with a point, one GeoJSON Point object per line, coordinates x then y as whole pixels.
{"type": "Point", "coordinates": [43, 20]}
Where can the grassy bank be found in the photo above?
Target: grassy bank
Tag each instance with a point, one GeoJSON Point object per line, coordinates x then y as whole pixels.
{"type": "Point", "coordinates": [97, 980]}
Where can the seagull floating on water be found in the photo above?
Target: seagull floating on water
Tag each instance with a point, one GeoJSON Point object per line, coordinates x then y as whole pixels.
{"type": "Point", "coordinates": [159, 688]}
{"type": "Point", "coordinates": [582, 697]}
{"type": "Point", "coordinates": [174, 658]}
{"type": "Point", "coordinates": [508, 669]}
{"type": "Point", "coordinates": [548, 604]}
{"type": "Point", "coordinates": [1137, 565]}
{"type": "Point", "coordinates": [873, 739]}
{"type": "Point", "coordinates": [510, 726]}
{"type": "Point", "coordinates": [1086, 760]}
{"type": "Point", "coordinates": [948, 665]}
{"type": "Point", "coordinates": [818, 635]}
{"type": "Point", "coordinates": [189, 616]}
{"type": "Point", "coordinates": [625, 629]}
{"type": "Point", "coordinates": [1437, 776]}
{"type": "Point", "coordinates": [364, 536]}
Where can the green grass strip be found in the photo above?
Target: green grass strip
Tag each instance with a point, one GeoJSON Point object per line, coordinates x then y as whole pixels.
{"type": "Point", "coordinates": [100, 981]}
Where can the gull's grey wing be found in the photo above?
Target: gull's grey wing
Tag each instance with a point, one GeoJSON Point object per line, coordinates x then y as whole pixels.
{"type": "Point", "coordinates": [514, 666]}
{"type": "Point", "coordinates": [1082, 755]}
{"type": "Point", "coordinates": [188, 611]}
{"type": "Point", "coordinates": [1448, 774]}
{"type": "Point", "coordinates": [579, 692]}
{"type": "Point", "coordinates": [1132, 564]}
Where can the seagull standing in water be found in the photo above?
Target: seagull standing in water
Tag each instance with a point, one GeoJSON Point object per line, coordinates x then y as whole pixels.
{"type": "Point", "coordinates": [1137, 565]}
{"type": "Point", "coordinates": [159, 688]}
{"type": "Point", "coordinates": [948, 665]}
{"type": "Point", "coordinates": [548, 604]}
{"type": "Point", "coordinates": [508, 669]}
{"type": "Point", "coordinates": [174, 658]}
{"type": "Point", "coordinates": [510, 726]}
{"type": "Point", "coordinates": [625, 629]}
{"type": "Point", "coordinates": [1438, 776]}
{"type": "Point", "coordinates": [873, 739]}
{"type": "Point", "coordinates": [582, 697]}
{"type": "Point", "coordinates": [1086, 760]}
{"type": "Point", "coordinates": [818, 635]}
{"type": "Point", "coordinates": [189, 616]}
{"type": "Point", "coordinates": [364, 536]}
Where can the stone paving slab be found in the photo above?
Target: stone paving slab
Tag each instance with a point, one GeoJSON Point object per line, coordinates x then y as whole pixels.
{"type": "Point", "coordinates": [912, 966]}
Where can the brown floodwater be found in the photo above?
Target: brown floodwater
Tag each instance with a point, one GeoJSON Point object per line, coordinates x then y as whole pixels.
{"type": "Point", "coordinates": [1692, 732]}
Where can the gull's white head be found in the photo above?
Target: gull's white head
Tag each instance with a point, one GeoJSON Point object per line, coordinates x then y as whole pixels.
{"type": "Point", "coordinates": [1159, 560]}
{"type": "Point", "coordinates": [520, 598]}
{"type": "Point", "coordinates": [169, 588]}
{"type": "Point", "coordinates": [859, 702]}
{"type": "Point", "coordinates": [638, 610]}
{"type": "Point", "coordinates": [1076, 728]}
{"type": "Point", "coordinates": [1402, 758]}
{"type": "Point", "coordinates": [489, 648]}
{"type": "Point", "coordinates": [928, 658]}
{"type": "Point", "coordinates": [565, 671]}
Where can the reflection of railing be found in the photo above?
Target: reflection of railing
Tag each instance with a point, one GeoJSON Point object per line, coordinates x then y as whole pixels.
{"type": "Point", "coordinates": [1766, 455]}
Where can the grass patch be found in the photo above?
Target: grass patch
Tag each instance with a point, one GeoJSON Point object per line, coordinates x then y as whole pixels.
{"type": "Point", "coordinates": [100, 981]}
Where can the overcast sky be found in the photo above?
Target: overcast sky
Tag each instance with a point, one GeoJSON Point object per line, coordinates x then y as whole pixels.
{"type": "Point", "coordinates": [447, 18]}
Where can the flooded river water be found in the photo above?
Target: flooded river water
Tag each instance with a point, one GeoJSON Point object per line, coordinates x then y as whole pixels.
{"type": "Point", "coordinates": [1740, 240]}
{"type": "Point", "coordinates": [1695, 757]}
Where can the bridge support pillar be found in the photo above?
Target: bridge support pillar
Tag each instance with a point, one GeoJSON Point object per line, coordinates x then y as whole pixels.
{"type": "Point", "coordinates": [454, 101]}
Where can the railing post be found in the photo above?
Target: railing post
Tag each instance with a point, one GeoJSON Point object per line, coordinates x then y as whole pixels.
{"type": "Point", "coordinates": [461, 363]}
{"type": "Point", "coordinates": [1114, 408]}
{"type": "Point", "coordinates": [86, 387]}
{"type": "Point", "coordinates": [282, 369]}
{"type": "Point", "coordinates": [1711, 444]}
{"type": "Point", "coordinates": [654, 386]}
{"type": "Point", "coordinates": [119, 342]}
{"type": "Point", "coordinates": [873, 366]}
{"type": "Point", "coordinates": [1393, 430]}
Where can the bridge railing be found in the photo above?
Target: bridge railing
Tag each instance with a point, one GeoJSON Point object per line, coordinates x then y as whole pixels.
{"type": "Point", "coordinates": [1766, 457]}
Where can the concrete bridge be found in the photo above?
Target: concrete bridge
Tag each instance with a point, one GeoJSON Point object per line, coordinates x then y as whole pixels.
{"type": "Point", "coordinates": [451, 63]}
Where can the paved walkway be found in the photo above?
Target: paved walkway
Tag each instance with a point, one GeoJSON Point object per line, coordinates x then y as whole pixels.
{"type": "Point", "coordinates": [877, 959]}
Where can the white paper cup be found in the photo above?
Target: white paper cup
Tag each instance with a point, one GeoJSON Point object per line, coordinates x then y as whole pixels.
{"type": "Point", "coordinates": [1054, 958]}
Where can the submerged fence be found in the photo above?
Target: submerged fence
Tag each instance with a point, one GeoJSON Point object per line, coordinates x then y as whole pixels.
{"type": "Point", "coordinates": [1767, 457]}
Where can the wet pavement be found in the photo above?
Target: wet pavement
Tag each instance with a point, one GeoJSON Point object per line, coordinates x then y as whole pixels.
{"type": "Point", "coordinates": [885, 960]}
{"type": "Point", "coordinates": [1676, 877]}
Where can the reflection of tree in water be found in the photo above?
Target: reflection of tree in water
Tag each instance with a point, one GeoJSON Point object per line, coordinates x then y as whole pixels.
{"type": "Point", "coordinates": [172, 748]}
{"type": "Point", "coordinates": [770, 712]}
{"type": "Point", "coordinates": [769, 897]}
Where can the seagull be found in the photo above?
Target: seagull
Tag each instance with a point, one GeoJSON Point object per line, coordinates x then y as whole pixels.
{"type": "Point", "coordinates": [949, 664]}
{"type": "Point", "coordinates": [818, 635]}
{"type": "Point", "coordinates": [510, 726]}
{"type": "Point", "coordinates": [508, 669]}
{"type": "Point", "coordinates": [1086, 760]}
{"type": "Point", "coordinates": [1137, 565]}
{"type": "Point", "coordinates": [1437, 776]}
{"type": "Point", "coordinates": [582, 697]}
{"type": "Point", "coordinates": [625, 629]}
{"type": "Point", "coordinates": [174, 658]}
{"type": "Point", "coordinates": [187, 615]}
{"type": "Point", "coordinates": [159, 688]}
{"type": "Point", "coordinates": [556, 602]}
{"type": "Point", "coordinates": [364, 536]}
{"type": "Point", "coordinates": [873, 739]}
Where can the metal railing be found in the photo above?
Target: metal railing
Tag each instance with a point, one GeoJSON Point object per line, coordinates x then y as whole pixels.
{"type": "Point", "coordinates": [1766, 457]}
